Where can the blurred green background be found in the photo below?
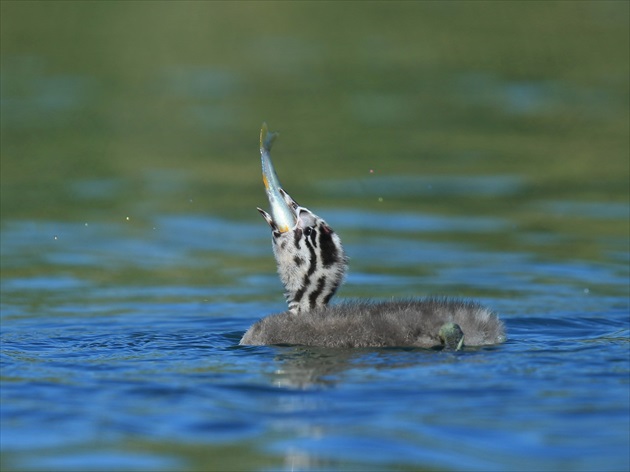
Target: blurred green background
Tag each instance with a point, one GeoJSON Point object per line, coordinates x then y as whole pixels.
{"type": "Point", "coordinates": [157, 105]}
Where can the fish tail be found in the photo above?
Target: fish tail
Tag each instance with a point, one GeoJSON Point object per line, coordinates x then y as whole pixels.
{"type": "Point", "coordinates": [266, 138]}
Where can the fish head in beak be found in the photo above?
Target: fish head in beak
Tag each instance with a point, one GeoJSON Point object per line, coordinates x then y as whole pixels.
{"type": "Point", "coordinates": [284, 215]}
{"type": "Point", "coordinates": [300, 217]}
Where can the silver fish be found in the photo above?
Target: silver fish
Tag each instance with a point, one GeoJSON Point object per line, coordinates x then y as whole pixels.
{"type": "Point", "coordinates": [283, 208]}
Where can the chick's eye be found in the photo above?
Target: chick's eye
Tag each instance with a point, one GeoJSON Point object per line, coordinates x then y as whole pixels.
{"type": "Point", "coordinates": [308, 230]}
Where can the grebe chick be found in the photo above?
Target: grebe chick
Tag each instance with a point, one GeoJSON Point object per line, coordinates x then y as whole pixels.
{"type": "Point", "coordinates": [312, 264]}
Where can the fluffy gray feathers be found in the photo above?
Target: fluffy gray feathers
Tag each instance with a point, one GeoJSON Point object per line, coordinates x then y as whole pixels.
{"type": "Point", "coordinates": [415, 322]}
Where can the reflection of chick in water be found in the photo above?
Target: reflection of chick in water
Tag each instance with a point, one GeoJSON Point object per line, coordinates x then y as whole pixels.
{"type": "Point", "coordinates": [304, 367]}
{"type": "Point", "coordinates": [312, 263]}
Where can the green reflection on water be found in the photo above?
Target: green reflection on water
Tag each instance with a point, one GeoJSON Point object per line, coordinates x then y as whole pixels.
{"type": "Point", "coordinates": [115, 89]}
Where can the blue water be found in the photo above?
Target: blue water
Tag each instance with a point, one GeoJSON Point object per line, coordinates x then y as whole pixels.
{"type": "Point", "coordinates": [121, 353]}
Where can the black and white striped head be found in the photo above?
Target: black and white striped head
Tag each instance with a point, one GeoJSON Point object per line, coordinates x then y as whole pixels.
{"type": "Point", "coordinates": [310, 257]}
